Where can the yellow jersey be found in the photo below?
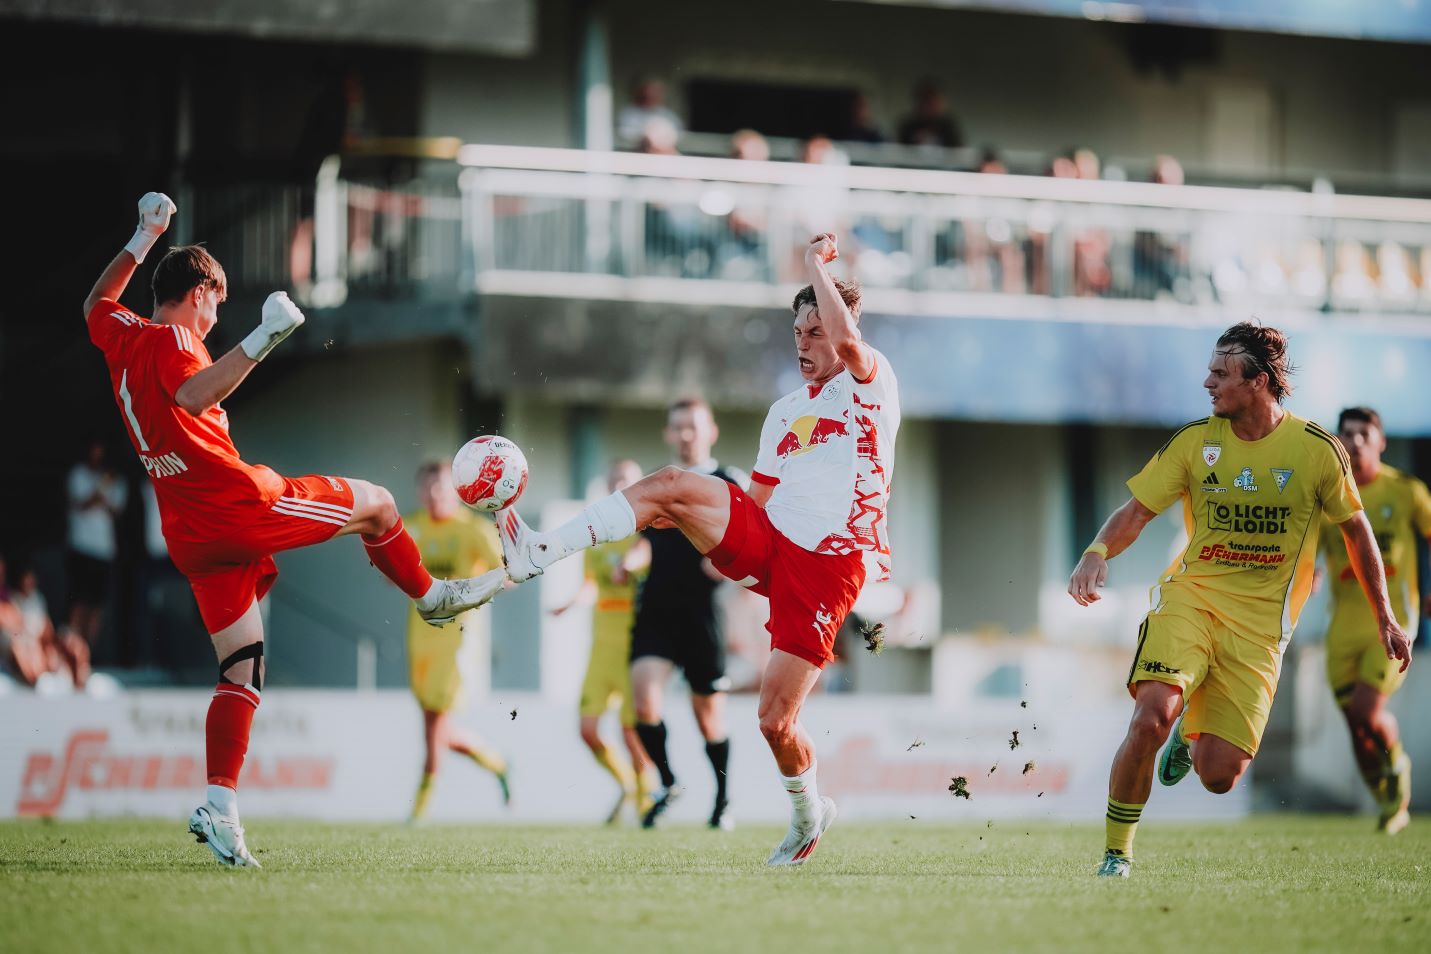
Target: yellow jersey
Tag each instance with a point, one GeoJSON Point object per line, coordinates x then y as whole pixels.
{"type": "Point", "coordinates": [601, 565]}
{"type": "Point", "coordinates": [1399, 508]}
{"type": "Point", "coordinates": [463, 545]}
{"type": "Point", "coordinates": [1252, 510]}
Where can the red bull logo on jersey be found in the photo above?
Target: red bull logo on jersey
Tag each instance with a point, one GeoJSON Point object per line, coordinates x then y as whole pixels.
{"type": "Point", "coordinates": [806, 433]}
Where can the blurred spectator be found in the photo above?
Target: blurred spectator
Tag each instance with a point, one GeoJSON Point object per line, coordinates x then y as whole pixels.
{"type": "Point", "coordinates": [96, 497]}
{"type": "Point", "coordinates": [862, 126]}
{"type": "Point", "coordinates": [742, 249]}
{"type": "Point", "coordinates": [1160, 259]}
{"type": "Point", "coordinates": [29, 648]}
{"type": "Point", "coordinates": [995, 260]}
{"type": "Point", "coordinates": [658, 137]}
{"type": "Point", "coordinates": [749, 145]}
{"type": "Point", "coordinates": [1085, 161]}
{"type": "Point", "coordinates": [931, 123]}
{"type": "Point", "coordinates": [1395, 274]}
{"type": "Point", "coordinates": [648, 104]}
{"type": "Point", "coordinates": [679, 238]}
{"type": "Point", "coordinates": [822, 151]}
{"type": "Point", "coordinates": [1092, 275]}
{"type": "Point", "coordinates": [336, 122]}
{"type": "Point", "coordinates": [991, 163]}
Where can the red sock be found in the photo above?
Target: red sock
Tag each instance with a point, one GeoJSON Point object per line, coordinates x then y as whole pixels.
{"type": "Point", "coordinates": [226, 732]}
{"type": "Point", "coordinates": [396, 557]}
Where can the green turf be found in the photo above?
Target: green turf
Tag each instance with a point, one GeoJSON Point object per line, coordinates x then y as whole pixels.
{"type": "Point", "coordinates": [1267, 885]}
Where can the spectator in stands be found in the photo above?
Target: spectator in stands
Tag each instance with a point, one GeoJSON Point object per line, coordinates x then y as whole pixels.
{"type": "Point", "coordinates": [96, 497]}
{"type": "Point", "coordinates": [742, 248]}
{"type": "Point", "coordinates": [995, 261]}
{"type": "Point", "coordinates": [931, 123]}
{"type": "Point", "coordinates": [862, 127]}
{"type": "Point", "coordinates": [1086, 162]}
{"type": "Point", "coordinates": [648, 104]}
{"type": "Point", "coordinates": [1160, 259]}
{"type": "Point", "coordinates": [820, 150]}
{"type": "Point", "coordinates": [1092, 275]}
{"type": "Point", "coordinates": [679, 239]}
{"type": "Point", "coordinates": [29, 648]}
{"type": "Point", "coordinates": [991, 163]}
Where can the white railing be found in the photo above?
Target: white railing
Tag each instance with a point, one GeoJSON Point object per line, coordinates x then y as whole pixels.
{"type": "Point", "coordinates": [556, 221]}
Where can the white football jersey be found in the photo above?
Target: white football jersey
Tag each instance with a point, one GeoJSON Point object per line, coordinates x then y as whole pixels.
{"type": "Point", "coordinates": [829, 453]}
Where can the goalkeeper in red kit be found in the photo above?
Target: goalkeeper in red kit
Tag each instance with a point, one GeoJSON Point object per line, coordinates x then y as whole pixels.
{"type": "Point", "coordinates": [223, 518]}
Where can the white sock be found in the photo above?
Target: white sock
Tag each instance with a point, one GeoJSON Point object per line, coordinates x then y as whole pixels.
{"type": "Point", "coordinates": [610, 518]}
{"type": "Point", "coordinates": [433, 596]}
{"type": "Point", "coordinates": [804, 797]}
{"type": "Point", "coordinates": [224, 799]}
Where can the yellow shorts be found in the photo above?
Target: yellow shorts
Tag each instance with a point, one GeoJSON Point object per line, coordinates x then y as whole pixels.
{"type": "Point", "coordinates": [1355, 654]}
{"type": "Point", "coordinates": [1228, 678]}
{"type": "Point", "coordinates": [608, 674]}
{"type": "Point", "coordinates": [434, 667]}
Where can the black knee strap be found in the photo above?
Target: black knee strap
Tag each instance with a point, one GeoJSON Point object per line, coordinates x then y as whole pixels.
{"type": "Point", "coordinates": [252, 651]}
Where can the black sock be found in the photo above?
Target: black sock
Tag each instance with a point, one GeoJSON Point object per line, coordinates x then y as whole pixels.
{"type": "Point", "coordinates": [653, 738]}
{"type": "Point", "coordinates": [719, 754]}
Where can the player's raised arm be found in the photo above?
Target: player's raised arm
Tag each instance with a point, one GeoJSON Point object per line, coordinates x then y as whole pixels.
{"type": "Point", "coordinates": [211, 385]}
{"type": "Point", "coordinates": [1121, 529]}
{"type": "Point", "coordinates": [1365, 558]}
{"type": "Point", "coordinates": [154, 212]}
{"type": "Point", "coordinates": [840, 325]}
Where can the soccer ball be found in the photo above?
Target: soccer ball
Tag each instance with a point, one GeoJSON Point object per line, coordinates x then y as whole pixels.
{"type": "Point", "coordinates": [490, 473]}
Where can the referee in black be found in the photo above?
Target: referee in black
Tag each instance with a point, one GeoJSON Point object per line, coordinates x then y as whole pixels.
{"type": "Point", "coordinates": [676, 625]}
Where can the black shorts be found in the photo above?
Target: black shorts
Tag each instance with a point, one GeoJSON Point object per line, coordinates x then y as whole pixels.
{"type": "Point", "coordinates": [690, 640]}
{"type": "Point", "coordinates": [88, 579]}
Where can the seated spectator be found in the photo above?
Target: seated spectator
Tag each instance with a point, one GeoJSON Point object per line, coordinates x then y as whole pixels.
{"type": "Point", "coordinates": [29, 647]}
{"type": "Point", "coordinates": [648, 104]}
{"type": "Point", "coordinates": [1160, 259]}
{"type": "Point", "coordinates": [931, 123]}
{"type": "Point", "coordinates": [742, 249]}
{"type": "Point", "coordinates": [679, 239]}
{"type": "Point", "coordinates": [991, 163]}
{"type": "Point", "coordinates": [862, 126]}
{"type": "Point", "coordinates": [749, 145]}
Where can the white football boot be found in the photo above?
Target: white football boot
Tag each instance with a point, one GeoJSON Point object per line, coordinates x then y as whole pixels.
{"type": "Point", "coordinates": [458, 596]}
{"type": "Point", "coordinates": [224, 836]}
{"type": "Point", "coordinates": [1115, 866]}
{"type": "Point", "coordinates": [799, 843]}
{"type": "Point", "coordinates": [517, 542]}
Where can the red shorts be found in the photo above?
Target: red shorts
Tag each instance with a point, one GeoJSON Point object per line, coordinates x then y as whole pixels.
{"type": "Point", "coordinates": [229, 573]}
{"type": "Point", "coordinates": [810, 593]}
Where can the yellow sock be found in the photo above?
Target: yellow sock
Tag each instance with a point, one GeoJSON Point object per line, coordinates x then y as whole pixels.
{"type": "Point", "coordinates": [615, 763]}
{"type": "Point", "coordinates": [424, 792]}
{"type": "Point", "coordinates": [489, 760]}
{"type": "Point", "coordinates": [1121, 825]}
{"type": "Point", "coordinates": [645, 784]}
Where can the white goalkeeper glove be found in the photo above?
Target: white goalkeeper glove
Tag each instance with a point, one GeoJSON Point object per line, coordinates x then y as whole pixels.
{"type": "Point", "coordinates": [154, 211]}
{"type": "Point", "coordinates": [280, 317]}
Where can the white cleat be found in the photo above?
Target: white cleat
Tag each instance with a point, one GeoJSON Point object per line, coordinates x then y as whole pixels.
{"type": "Point", "coordinates": [517, 543]}
{"type": "Point", "coordinates": [459, 596]}
{"type": "Point", "coordinates": [1115, 866]}
{"type": "Point", "coordinates": [799, 844]}
{"type": "Point", "coordinates": [224, 836]}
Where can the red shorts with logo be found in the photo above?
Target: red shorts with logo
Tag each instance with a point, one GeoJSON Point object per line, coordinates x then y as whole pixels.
{"type": "Point", "coordinates": [810, 593]}
{"type": "Point", "coordinates": [229, 573]}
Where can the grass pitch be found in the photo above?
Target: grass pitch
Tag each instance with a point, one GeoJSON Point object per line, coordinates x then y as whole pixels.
{"type": "Point", "coordinates": [1271, 884]}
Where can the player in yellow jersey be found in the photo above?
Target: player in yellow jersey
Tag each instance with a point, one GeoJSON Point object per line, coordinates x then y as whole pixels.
{"type": "Point", "coordinates": [448, 536]}
{"type": "Point", "coordinates": [1255, 482]}
{"type": "Point", "coordinates": [1399, 508]}
{"type": "Point", "coordinates": [613, 575]}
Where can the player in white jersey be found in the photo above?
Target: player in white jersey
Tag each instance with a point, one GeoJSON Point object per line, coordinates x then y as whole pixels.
{"type": "Point", "coordinates": [807, 535]}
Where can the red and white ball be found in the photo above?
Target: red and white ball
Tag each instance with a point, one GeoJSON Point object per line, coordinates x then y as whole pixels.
{"type": "Point", "coordinates": [490, 473]}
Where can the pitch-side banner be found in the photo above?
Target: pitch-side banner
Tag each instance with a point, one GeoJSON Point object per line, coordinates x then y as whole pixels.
{"type": "Point", "coordinates": [356, 756]}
